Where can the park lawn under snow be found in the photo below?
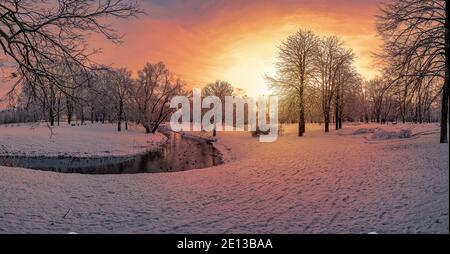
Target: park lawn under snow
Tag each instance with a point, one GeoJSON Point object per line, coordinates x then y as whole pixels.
{"type": "Point", "coordinates": [337, 182]}
{"type": "Point", "coordinates": [90, 140]}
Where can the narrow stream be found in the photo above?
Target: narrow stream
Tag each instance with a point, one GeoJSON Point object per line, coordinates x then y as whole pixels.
{"type": "Point", "coordinates": [178, 154]}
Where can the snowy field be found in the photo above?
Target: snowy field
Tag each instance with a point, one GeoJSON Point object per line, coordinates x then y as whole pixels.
{"type": "Point", "coordinates": [354, 180]}
{"type": "Point", "coordinates": [80, 141]}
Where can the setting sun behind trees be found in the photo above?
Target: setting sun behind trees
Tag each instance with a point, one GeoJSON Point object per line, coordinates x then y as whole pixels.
{"type": "Point", "coordinates": [237, 41]}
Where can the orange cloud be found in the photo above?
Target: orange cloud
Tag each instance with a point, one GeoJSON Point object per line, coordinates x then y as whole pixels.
{"type": "Point", "coordinates": [202, 41]}
{"type": "Point", "coordinates": [236, 40]}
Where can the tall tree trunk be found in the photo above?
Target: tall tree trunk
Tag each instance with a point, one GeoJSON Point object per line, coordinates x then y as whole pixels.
{"type": "Point", "coordinates": [51, 106]}
{"type": "Point", "coordinates": [341, 108]}
{"type": "Point", "coordinates": [82, 115]}
{"type": "Point", "coordinates": [327, 121]}
{"type": "Point", "coordinates": [104, 115]}
{"type": "Point", "coordinates": [119, 116]}
{"type": "Point", "coordinates": [445, 92]}
{"type": "Point", "coordinates": [58, 113]}
{"type": "Point", "coordinates": [69, 107]}
{"type": "Point", "coordinates": [92, 114]}
{"type": "Point", "coordinates": [300, 133]}
{"type": "Point", "coordinates": [68, 113]}
{"type": "Point", "coordinates": [444, 111]}
{"type": "Point", "coordinates": [336, 113]}
{"type": "Point", "coordinates": [301, 120]}
{"type": "Point", "coordinates": [51, 115]}
{"type": "Point", "coordinates": [302, 114]}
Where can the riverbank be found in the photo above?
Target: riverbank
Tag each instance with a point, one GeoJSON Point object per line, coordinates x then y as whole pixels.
{"type": "Point", "coordinates": [226, 153]}
{"type": "Point", "coordinates": [165, 151]}
{"type": "Point", "coordinates": [344, 181]}
{"type": "Point", "coordinates": [90, 140]}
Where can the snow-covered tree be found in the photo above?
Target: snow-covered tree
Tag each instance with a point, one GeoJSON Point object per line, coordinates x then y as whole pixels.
{"type": "Point", "coordinates": [152, 93]}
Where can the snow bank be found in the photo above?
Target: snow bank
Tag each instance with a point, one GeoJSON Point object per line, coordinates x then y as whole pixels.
{"type": "Point", "coordinates": [226, 152]}
{"type": "Point", "coordinates": [383, 134]}
{"type": "Point", "coordinates": [90, 140]}
{"type": "Point", "coordinates": [364, 131]}
{"type": "Point", "coordinates": [379, 133]}
{"type": "Point", "coordinates": [319, 183]}
{"type": "Point", "coordinates": [405, 133]}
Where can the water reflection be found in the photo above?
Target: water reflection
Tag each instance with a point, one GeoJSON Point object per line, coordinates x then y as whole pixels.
{"type": "Point", "coordinates": [178, 154]}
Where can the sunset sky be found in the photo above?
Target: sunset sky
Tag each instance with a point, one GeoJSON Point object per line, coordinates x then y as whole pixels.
{"type": "Point", "coordinates": [234, 40]}
{"type": "Point", "coordinates": [203, 41]}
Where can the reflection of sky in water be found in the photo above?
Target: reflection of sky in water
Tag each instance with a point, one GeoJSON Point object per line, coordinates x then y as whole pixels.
{"type": "Point", "coordinates": [177, 155]}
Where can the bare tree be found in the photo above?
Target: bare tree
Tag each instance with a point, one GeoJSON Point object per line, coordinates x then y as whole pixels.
{"type": "Point", "coordinates": [120, 86]}
{"type": "Point", "coordinates": [295, 69]}
{"type": "Point", "coordinates": [416, 43]}
{"type": "Point", "coordinates": [346, 79]}
{"type": "Point", "coordinates": [330, 61]}
{"type": "Point", "coordinates": [37, 35]}
{"type": "Point", "coordinates": [152, 93]}
{"type": "Point", "coordinates": [220, 89]}
{"type": "Point", "coordinates": [353, 101]}
{"type": "Point", "coordinates": [100, 98]}
{"type": "Point", "coordinates": [375, 93]}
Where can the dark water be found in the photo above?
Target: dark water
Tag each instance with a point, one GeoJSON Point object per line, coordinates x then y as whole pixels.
{"type": "Point", "coordinates": [178, 154]}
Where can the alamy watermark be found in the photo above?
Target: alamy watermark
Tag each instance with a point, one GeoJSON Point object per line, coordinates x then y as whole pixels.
{"type": "Point", "coordinates": [207, 114]}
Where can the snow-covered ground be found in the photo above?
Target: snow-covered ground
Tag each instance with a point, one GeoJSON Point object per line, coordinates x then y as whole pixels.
{"type": "Point", "coordinates": [337, 182]}
{"type": "Point", "coordinates": [90, 140]}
